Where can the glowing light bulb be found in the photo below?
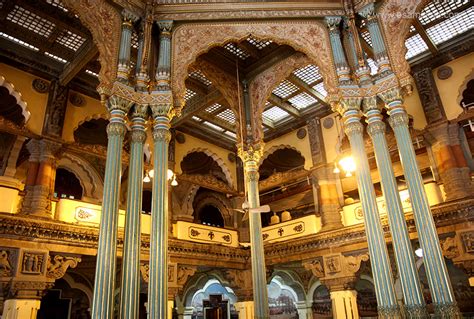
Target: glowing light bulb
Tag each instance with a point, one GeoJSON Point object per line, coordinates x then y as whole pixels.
{"type": "Point", "coordinates": [151, 173]}
{"type": "Point", "coordinates": [336, 170]}
{"type": "Point", "coordinates": [348, 164]}
{"type": "Point", "coordinates": [146, 179]}
{"type": "Point", "coordinates": [419, 252]}
{"type": "Point", "coordinates": [170, 174]}
{"type": "Point", "coordinates": [174, 182]}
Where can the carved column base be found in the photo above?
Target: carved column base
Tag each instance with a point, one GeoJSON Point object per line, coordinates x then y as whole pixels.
{"type": "Point", "coordinates": [416, 312]}
{"type": "Point", "coordinates": [245, 309]}
{"type": "Point", "coordinates": [446, 311]}
{"type": "Point", "coordinates": [20, 308]}
{"type": "Point", "coordinates": [457, 183]}
{"type": "Point", "coordinates": [37, 201]}
{"type": "Point", "coordinates": [389, 312]}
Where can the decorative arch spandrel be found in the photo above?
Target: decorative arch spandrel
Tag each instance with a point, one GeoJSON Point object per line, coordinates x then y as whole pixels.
{"type": "Point", "coordinates": [263, 84]}
{"type": "Point", "coordinates": [104, 22]}
{"type": "Point", "coordinates": [307, 36]}
{"type": "Point", "coordinates": [396, 17]}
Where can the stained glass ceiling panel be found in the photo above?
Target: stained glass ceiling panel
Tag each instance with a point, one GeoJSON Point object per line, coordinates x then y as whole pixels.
{"type": "Point", "coordinates": [285, 89]}
{"type": "Point", "coordinates": [455, 25]}
{"type": "Point", "coordinates": [275, 114]}
{"type": "Point", "coordinates": [302, 100]}
{"type": "Point", "coordinates": [308, 74]}
{"type": "Point", "coordinates": [197, 75]}
{"type": "Point", "coordinates": [440, 9]}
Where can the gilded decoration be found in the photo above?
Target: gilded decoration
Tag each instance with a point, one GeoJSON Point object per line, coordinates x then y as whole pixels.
{"type": "Point", "coordinates": [192, 40]}
{"type": "Point", "coordinates": [262, 86]}
{"type": "Point", "coordinates": [207, 181]}
{"type": "Point", "coordinates": [56, 267]}
{"type": "Point", "coordinates": [104, 22]}
{"type": "Point", "coordinates": [396, 17]}
{"type": "Point", "coordinates": [6, 269]}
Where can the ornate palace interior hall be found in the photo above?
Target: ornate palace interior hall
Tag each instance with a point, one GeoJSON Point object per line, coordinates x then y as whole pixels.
{"type": "Point", "coordinates": [236, 159]}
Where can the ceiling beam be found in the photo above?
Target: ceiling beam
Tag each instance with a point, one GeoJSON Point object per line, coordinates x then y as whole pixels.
{"type": "Point", "coordinates": [196, 86]}
{"type": "Point", "coordinates": [424, 35]}
{"type": "Point", "coordinates": [366, 47]}
{"type": "Point", "coordinates": [216, 121]}
{"type": "Point", "coordinates": [197, 104]}
{"type": "Point", "coordinates": [268, 123]}
{"type": "Point", "coordinates": [250, 49]}
{"type": "Point", "coordinates": [268, 61]}
{"type": "Point", "coordinates": [305, 87]}
{"type": "Point", "coordinates": [86, 53]}
{"type": "Point", "coordinates": [284, 105]}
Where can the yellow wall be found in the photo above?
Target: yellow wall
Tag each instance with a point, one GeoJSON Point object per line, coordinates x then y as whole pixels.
{"type": "Point", "coordinates": [330, 137]}
{"type": "Point", "coordinates": [193, 143]}
{"type": "Point", "coordinates": [292, 140]}
{"type": "Point", "coordinates": [36, 102]}
{"type": "Point", "coordinates": [415, 109]}
{"type": "Point", "coordinates": [75, 114]}
{"type": "Point", "coordinates": [449, 89]}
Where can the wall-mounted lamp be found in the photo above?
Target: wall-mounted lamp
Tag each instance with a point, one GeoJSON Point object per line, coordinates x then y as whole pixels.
{"type": "Point", "coordinates": [347, 164]}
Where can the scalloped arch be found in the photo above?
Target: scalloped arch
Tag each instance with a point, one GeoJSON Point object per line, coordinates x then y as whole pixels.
{"type": "Point", "coordinates": [91, 182]}
{"type": "Point", "coordinates": [217, 200]}
{"type": "Point", "coordinates": [275, 148]}
{"type": "Point", "coordinates": [193, 39]}
{"type": "Point", "coordinates": [17, 95]}
{"type": "Point", "coordinates": [216, 158]}
{"type": "Point", "coordinates": [198, 281]}
{"type": "Point", "coordinates": [91, 117]}
{"type": "Point", "coordinates": [398, 16]}
{"type": "Point", "coordinates": [463, 86]}
{"type": "Point", "coordinates": [291, 279]}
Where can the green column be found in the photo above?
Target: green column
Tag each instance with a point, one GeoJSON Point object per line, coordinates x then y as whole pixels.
{"type": "Point", "coordinates": [158, 274]}
{"type": "Point", "coordinates": [415, 306]}
{"type": "Point", "coordinates": [382, 273]}
{"type": "Point", "coordinates": [125, 45]}
{"type": "Point", "coordinates": [436, 271]}
{"type": "Point", "coordinates": [164, 60]}
{"type": "Point", "coordinates": [251, 156]}
{"type": "Point", "coordinates": [103, 299]}
{"type": "Point", "coordinates": [342, 68]}
{"type": "Point", "coordinates": [130, 289]}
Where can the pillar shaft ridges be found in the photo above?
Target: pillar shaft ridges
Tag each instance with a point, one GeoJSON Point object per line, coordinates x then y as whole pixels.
{"type": "Point", "coordinates": [130, 288]}
{"type": "Point", "coordinates": [125, 45]}
{"type": "Point", "coordinates": [411, 287]}
{"type": "Point", "coordinates": [438, 277]}
{"type": "Point", "coordinates": [380, 51]}
{"type": "Point", "coordinates": [103, 301]}
{"type": "Point", "coordinates": [163, 69]}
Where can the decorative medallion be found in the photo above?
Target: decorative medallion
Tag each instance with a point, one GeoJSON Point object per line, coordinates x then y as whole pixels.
{"type": "Point", "coordinates": [180, 138]}
{"type": "Point", "coordinates": [444, 72]}
{"type": "Point", "coordinates": [77, 99]}
{"type": "Point", "coordinates": [301, 133]}
{"type": "Point", "coordinates": [40, 86]}
{"type": "Point", "coordinates": [328, 123]}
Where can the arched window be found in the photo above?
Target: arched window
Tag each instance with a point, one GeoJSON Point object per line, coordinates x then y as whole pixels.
{"type": "Point", "coordinates": [67, 185]}
{"type": "Point", "coordinates": [210, 215]}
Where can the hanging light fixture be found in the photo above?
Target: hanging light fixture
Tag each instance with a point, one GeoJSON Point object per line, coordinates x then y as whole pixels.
{"type": "Point", "coordinates": [174, 182]}
{"type": "Point", "coordinates": [147, 178]}
{"type": "Point", "coordinates": [348, 165]}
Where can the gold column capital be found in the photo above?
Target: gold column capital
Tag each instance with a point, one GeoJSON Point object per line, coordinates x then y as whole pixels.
{"type": "Point", "coordinates": [251, 152]}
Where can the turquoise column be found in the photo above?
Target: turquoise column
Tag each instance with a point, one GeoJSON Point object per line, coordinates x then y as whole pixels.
{"type": "Point", "coordinates": [130, 289]}
{"type": "Point", "coordinates": [164, 58]}
{"type": "Point", "coordinates": [103, 299]}
{"type": "Point", "coordinates": [125, 45]}
{"type": "Point", "coordinates": [380, 52]}
{"type": "Point", "coordinates": [436, 271]}
{"type": "Point", "coordinates": [342, 68]}
{"type": "Point", "coordinates": [162, 114]}
{"type": "Point", "coordinates": [415, 306]}
{"type": "Point", "coordinates": [158, 273]}
{"type": "Point", "coordinates": [251, 157]}
{"type": "Point", "coordinates": [382, 273]}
